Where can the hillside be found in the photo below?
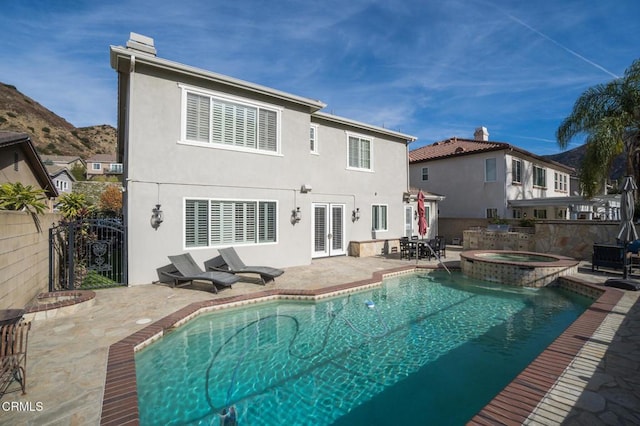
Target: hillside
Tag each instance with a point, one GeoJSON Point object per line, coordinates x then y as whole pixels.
{"type": "Point", "coordinates": [573, 158]}
{"type": "Point", "coordinates": [50, 133]}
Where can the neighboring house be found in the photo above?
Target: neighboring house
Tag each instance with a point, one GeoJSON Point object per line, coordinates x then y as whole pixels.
{"type": "Point", "coordinates": [19, 162]}
{"type": "Point", "coordinates": [232, 163]}
{"type": "Point", "coordinates": [103, 165]}
{"type": "Point", "coordinates": [69, 162]}
{"type": "Point", "coordinates": [61, 177]}
{"type": "Point", "coordinates": [485, 179]}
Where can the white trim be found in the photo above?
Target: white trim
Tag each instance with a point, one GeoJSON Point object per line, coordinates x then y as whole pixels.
{"type": "Point", "coordinates": [225, 199]}
{"type": "Point", "coordinates": [495, 169]}
{"type": "Point", "coordinates": [386, 229]}
{"type": "Point", "coordinates": [316, 150]}
{"type": "Point", "coordinates": [422, 169]}
{"type": "Point", "coordinates": [185, 89]}
{"type": "Point", "coordinates": [328, 223]}
{"type": "Point", "coordinates": [371, 140]}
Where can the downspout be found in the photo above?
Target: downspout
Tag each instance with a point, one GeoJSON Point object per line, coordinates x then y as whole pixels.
{"type": "Point", "coordinates": [125, 160]}
{"type": "Point", "coordinates": [407, 165]}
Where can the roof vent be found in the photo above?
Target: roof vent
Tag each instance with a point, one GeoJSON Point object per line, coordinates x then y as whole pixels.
{"type": "Point", "coordinates": [459, 150]}
{"type": "Point", "coordinates": [141, 43]}
{"type": "Point", "coordinates": [481, 134]}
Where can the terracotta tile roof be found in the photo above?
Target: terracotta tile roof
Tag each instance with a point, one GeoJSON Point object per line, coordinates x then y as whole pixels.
{"type": "Point", "coordinates": [453, 147]}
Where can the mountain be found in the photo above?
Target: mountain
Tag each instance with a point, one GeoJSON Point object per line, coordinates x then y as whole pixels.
{"type": "Point", "coordinates": [50, 133]}
{"type": "Point", "coordinates": [573, 158]}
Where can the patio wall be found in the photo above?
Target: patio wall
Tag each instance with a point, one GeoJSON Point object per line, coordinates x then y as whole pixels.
{"type": "Point", "coordinates": [573, 238]}
{"type": "Point", "coordinates": [24, 257]}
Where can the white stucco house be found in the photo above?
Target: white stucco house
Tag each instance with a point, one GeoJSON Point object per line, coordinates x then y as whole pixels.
{"type": "Point", "coordinates": [232, 163]}
{"type": "Point", "coordinates": [485, 179]}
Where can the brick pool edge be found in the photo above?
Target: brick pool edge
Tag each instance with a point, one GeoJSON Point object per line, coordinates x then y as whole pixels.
{"type": "Point", "coordinates": [120, 398]}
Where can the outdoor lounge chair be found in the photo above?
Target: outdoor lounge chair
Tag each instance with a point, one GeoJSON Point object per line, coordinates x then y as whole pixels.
{"type": "Point", "coordinates": [13, 355]}
{"type": "Point", "coordinates": [183, 269]}
{"type": "Point", "coordinates": [235, 265]}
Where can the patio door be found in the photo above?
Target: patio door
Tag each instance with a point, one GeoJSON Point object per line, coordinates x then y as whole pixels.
{"type": "Point", "coordinates": [328, 230]}
{"type": "Point", "coordinates": [408, 221]}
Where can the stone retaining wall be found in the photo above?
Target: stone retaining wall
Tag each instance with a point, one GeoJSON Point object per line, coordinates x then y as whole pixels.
{"type": "Point", "coordinates": [572, 238]}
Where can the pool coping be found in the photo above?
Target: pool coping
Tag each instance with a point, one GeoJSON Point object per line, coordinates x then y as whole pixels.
{"type": "Point", "coordinates": [512, 405]}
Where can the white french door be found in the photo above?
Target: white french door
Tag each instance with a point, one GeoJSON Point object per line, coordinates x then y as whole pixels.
{"type": "Point", "coordinates": [408, 221]}
{"type": "Point", "coordinates": [328, 230]}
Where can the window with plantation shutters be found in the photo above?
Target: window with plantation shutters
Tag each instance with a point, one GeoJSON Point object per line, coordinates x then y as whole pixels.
{"type": "Point", "coordinates": [267, 222]}
{"type": "Point", "coordinates": [196, 223]}
{"type": "Point", "coordinates": [198, 117]}
{"type": "Point", "coordinates": [359, 152]}
{"type": "Point", "coordinates": [222, 222]}
{"type": "Point", "coordinates": [379, 217]}
{"type": "Point", "coordinates": [229, 123]}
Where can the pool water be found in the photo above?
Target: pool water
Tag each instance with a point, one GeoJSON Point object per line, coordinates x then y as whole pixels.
{"type": "Point", "coordinates": [433, 349]}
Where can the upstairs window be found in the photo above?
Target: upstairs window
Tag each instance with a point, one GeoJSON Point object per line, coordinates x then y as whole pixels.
{"type": "Point", "coordinates": [492, 213]}
{"type": "Point", "coordinates": [516, 170]}
{"type": "Point", "coordinates": [539, 177]}
{"type": "Point", "coordinates": [425, 173]}
{"type": "Point", "coordinates": [313, 139]}
{"type": "Point", "coordinates": [231, 123]}
{"type": "Point", "coordinates": [359, 152]}
{"type": "Point", "coordinates": [560, 182]}
{"type": "Point", "coordinates": [490, 170]}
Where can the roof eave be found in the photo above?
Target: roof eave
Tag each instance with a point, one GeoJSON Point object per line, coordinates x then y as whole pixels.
{"type": "Point", "coordinates": [365, 126]}
{"type": "Point", "coordinates": [119, 53]}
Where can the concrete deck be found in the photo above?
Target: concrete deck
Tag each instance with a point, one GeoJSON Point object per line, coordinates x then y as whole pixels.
{"type": "Point", "coordinates": [68, 354]}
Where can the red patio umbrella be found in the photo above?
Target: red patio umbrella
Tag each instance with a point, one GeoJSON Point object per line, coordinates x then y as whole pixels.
{"type": "Point", "coordinates": [422, 218]}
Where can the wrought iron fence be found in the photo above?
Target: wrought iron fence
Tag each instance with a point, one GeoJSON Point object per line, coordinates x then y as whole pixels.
{"type": "Point", "coordinates": [87, 254]}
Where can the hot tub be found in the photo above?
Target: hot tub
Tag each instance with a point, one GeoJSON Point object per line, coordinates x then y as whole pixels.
{"type": "Point", "coordinates": [517, 268]}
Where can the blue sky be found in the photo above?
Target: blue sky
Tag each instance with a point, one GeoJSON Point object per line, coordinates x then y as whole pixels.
{"type": "Point", "coordinates": [432, 69]}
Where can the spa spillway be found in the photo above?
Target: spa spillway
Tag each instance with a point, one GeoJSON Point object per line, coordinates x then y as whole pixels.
{"type": "Point", "coordinates": [517, 268]}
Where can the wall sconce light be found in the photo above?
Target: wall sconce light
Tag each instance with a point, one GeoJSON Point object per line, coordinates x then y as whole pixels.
{"type": "Point", "coordinates": [415, 215]}
{"type": "Point", "coordinates": [305, 188]}
{"type": "Point", "coordinates": [355, 215]}
{"type": "Point", "coordinates": [157, 217]}
{"type": "Point", "coordinates": [296, 216]}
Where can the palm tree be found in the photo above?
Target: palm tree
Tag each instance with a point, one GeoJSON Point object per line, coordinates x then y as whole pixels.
{"type": "Point", "coordinates": [609, 115]}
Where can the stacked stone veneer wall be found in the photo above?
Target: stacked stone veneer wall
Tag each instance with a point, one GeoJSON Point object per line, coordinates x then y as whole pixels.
{"type": "Point", "coordinates": [574, 239]}
{"type": "Point", "coordinates": [516, 274]}
{"type": "Point", "coordinates": [24, 257]}
{"type": "Point", "coordinates": [373, 247]}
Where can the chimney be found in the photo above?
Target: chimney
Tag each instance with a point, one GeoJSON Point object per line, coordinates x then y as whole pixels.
{"type": "Point", "coordinates": [481, 134]}
{"type": "Point", "coordinates": [141, 43]}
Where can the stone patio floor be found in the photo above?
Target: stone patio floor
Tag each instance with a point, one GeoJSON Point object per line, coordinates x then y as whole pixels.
{"type": "Point", "coordinates": [67, 354]}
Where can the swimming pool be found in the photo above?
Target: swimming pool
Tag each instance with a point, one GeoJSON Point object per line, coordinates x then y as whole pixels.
{"type": "Point", "coordinates": [433, 349]}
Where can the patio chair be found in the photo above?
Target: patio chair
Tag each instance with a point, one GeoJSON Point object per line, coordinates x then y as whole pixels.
{"type": "Point", "coordinates": [183, 269]}
{"type": "Point", "coordinates": [441, 246]}
{"type": "Point", "coordinates": [235, 265]}
{"type": "Point", "coordinates": [13, 355]}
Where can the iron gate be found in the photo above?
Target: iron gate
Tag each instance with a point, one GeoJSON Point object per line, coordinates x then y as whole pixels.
{"type": "Point", "coordinates": [87, 254]}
